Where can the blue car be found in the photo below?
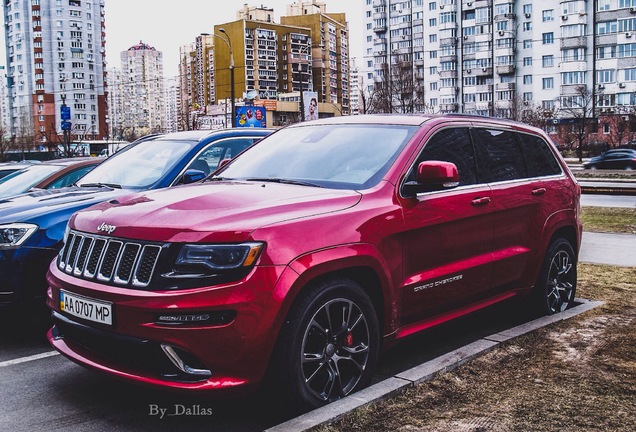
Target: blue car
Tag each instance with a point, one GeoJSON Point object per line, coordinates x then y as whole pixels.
{"type": "Point", "coordinates": [32, 225]}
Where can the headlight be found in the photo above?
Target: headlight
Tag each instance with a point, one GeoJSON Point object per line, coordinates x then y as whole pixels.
{"type": "Point", "coordinates": [210, 258]}
{"type": "Point", "coordinates": [15, 234]}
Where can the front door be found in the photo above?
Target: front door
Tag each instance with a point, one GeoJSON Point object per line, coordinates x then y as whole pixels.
{"type": "Point", "coordinates": [448, 234]}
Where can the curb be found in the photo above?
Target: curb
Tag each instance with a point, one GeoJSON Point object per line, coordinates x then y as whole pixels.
{"type": "Point", "coordinates": [401, 382]}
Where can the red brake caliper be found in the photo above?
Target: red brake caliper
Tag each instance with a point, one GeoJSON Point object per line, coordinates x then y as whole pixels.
{"type": "Point", "coordinates": [348, 340]}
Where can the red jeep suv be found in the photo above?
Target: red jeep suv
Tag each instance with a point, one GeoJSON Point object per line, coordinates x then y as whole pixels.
{"type": "Point", "coordinates": [314, 249]}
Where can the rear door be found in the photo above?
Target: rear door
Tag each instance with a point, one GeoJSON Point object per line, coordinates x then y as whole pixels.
{"type": "Point", "coordinates": [518, 201]}
{"type": "Point", "coordinates": [448, 234]}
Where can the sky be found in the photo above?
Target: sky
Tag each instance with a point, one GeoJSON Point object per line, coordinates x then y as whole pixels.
{"type": "Point", "coordinates": [168, 25]}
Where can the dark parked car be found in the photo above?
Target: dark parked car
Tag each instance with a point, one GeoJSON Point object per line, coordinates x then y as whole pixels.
{"type": "Point", "coordinates": [616, 159]}
{"type": "Point", "coordinates": [319, 246]}
{"type": "Point", "coordinates": [32, 225]}
{"type": "Point", "coordinates": [48, 175]}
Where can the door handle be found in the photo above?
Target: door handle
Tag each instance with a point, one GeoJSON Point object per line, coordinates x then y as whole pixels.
{"type": "Point", "coordinates": [480, 201]}
{"type": "Point", "coordinates": [538, 191]}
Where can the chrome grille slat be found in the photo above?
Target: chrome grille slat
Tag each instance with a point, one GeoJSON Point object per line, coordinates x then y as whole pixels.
{"type": "Point", "coordinates": [111, 260]}
{"type": "Point", "coordinates": [127, 261]}
{"type": "Point", "coordinates": [87, 244]}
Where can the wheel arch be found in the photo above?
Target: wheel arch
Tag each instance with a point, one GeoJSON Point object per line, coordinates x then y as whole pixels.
{"type": "Point", "coordinates": [360, 263]}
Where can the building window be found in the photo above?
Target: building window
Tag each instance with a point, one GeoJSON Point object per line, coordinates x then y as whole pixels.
{"type": "Point", "coordinates": [527, 26]}
{"type": "Point", "coordinates": [605, 76]}
{"type": "Point", "coordinates": [548, 38]}
{"type": "Point", "coordinates": [432, 22]}
{"type": "Point", "coordinates": [527, 43]}
{"type": "Point", "coordinates": [547, 15]}
{"type": "Point", "coordinates": [527, 61]}
{"type": "Point", "coordinates": [548, 61]}
{"type": "Point", "coordinates": [527, 79]}
{"type": "Point", "coordinates": [548, 83]}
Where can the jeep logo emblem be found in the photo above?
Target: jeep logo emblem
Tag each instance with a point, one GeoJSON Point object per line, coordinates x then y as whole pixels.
{"type": "Point", "coordinates": [106, 228]}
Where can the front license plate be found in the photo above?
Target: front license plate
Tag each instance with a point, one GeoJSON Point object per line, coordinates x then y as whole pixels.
{"type": "Point", "coordinates": [86, 308]}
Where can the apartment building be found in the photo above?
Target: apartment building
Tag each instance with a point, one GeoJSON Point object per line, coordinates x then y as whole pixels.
{"type": "Point", "coordinates": [496, 57]}
{"type": "Point", "coordinates": [137, 96]}
{"type": "Point", "coordinates": [55, 56]}
{"type": "Point", "coordinates": [307, 51]}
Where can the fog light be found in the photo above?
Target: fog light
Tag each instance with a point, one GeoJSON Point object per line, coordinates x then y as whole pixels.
{"type": "Point", "coordinates": [201, 319]}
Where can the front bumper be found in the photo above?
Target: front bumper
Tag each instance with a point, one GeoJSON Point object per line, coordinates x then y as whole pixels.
{"type": "Point", "coordinates": [190, 357]}
{"type": "Point", "coordinates": [23, 274]}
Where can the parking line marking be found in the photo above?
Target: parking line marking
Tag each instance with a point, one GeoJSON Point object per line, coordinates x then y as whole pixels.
{"type": "Point", "coordinates": [29, 358]}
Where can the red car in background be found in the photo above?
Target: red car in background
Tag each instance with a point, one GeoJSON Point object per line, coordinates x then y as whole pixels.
{"type": "Point", "coordinates": [313, 250]}
{"type": "Point", "coordinates": [47, 175]}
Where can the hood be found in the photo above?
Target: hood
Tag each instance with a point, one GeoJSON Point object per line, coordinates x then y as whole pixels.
{"type": "Point", "coordinates": [41, 206]}
{"type": "Point", "coordinates": [212, 211]}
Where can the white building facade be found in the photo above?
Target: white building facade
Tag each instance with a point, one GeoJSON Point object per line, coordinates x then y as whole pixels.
{"type": "Point", "coordinates": [494, 57]}
{"type": "Point", "coordinates": [55, 55]}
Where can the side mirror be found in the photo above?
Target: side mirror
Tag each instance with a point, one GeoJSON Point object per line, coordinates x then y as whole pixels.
{"type": "Point", "coordinates": [433, 175]}
{"type": "Point", "coordinates": [191, 176]}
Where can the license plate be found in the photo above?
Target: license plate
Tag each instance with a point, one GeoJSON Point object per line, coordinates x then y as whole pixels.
{"type": "Point", "coordinates": [86, 308]}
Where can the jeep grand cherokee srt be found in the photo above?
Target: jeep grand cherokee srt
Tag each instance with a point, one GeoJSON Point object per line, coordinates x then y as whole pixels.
{"type": "Point", "coordinates": [313, 250]}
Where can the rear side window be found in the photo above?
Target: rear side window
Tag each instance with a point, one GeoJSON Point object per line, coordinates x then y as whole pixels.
{"type": "Point", "coordinates": [452, 145]}
{"type": "Point", "coordinates": [501, 158]}
{"type": "Point", "coordinates": [540, 160]}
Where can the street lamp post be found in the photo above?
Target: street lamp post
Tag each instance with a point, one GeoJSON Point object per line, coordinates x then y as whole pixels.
{"type": "Point", "coordinates": [302, 99]}
{"type": "Point", "coordinates": [228, 42]}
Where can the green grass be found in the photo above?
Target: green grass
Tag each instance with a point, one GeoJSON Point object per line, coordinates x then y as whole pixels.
{"type": "Point", "coordinates": [609, 219]}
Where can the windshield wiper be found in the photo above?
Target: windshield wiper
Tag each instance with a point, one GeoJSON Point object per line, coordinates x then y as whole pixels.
{"type": "Point", "coordinates": [110, 185]}
{"type": "Point", "coordinates": [282, 180]}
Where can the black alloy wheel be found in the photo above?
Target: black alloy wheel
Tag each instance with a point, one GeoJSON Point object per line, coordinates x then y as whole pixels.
{"type": "Point", "coordinates": [329, 344]}
{"type": "Point", "coordinates": [556, 287]}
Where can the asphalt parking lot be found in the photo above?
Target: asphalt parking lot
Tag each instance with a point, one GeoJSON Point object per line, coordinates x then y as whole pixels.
{"type": "Point", "coordinates": [41, 390]}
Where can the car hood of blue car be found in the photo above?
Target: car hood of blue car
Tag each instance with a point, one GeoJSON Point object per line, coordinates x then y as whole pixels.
{"type": "Point", "coordinates": [51, 209]}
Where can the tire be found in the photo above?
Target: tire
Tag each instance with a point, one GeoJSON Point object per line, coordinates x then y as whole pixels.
{"type": "Point", "coordinates": [321, 358]}
{"type": "Point", "coordinates": [556, 286]}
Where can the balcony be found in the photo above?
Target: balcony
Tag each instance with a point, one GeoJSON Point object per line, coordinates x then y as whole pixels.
{"type": "Point", "coordinates": [451, 41]}
{"type": "Point", "coordinates": [574, 42]}
{"type": "Point", "coordinates": [506, 70]}
{"type": "Point", "coordinates": [448, 74]}
{"type": "Point", "coordinates": [483, 71]}
{"type": "Point", "coordinates": [379, 28]}
{"type": "Point", "coordinates": [448, 107]}
{"type": "Point", "coordinates": [504, 86]}
{"type": "Point", "coordinates": [484, 88]}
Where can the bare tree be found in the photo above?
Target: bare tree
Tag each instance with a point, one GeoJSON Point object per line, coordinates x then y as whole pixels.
{"type": "Point", "coordinates": [579, 110]}
{"type": "Point", "coordinates": [536, 115]}
{"type": "Point", "coordinates": [397, 90]}
{"type": "Point", "coordinates": [6, 143]}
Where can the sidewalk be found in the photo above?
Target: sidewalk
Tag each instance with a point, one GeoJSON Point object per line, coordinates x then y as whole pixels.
{"type": "Point", "coordinates": [609, 249]}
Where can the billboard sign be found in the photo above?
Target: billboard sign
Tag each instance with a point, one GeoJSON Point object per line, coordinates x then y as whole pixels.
{"type": "Point", "coordinates": [251, 116]}
{"type": "Point", "coordinates": [310, 102]}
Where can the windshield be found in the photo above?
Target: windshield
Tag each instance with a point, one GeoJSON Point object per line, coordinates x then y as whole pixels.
{"type": "Point", "coordinates": [139, 166]}
{"type": "Point", "coordinates": [23, 180]}
{"type": "Point", "coordinates": [333, 156]}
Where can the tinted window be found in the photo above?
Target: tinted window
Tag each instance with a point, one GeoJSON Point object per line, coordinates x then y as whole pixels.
{"type": "Point", "coordinates": [452, 145]}
{"type": "Point", "coordinates": [539, 158]}
{"type": "Point", "coordinates": [210, 158]}
{"type": "Point", "coordinates": [70, 178]}
{"type": "Point", "coordinates": [501, 158]}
